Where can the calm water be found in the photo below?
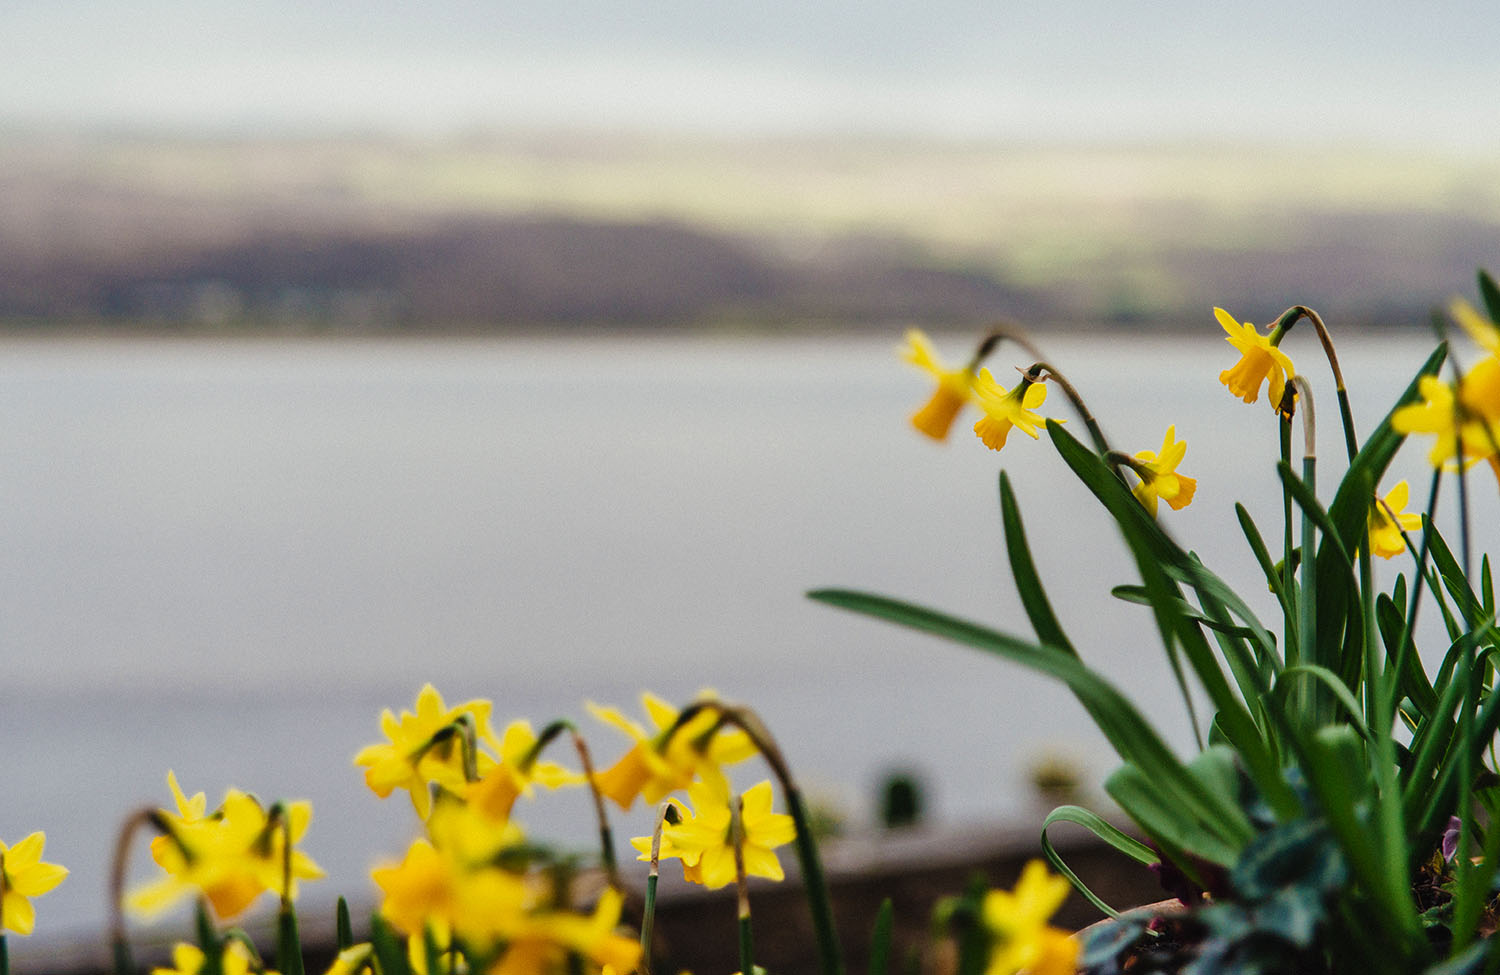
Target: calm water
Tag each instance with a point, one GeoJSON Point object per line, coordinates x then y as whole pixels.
{"type": "Point", "coordinates": [226, 558]}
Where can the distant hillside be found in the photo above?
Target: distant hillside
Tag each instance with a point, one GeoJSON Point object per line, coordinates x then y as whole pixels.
{"type": "Point", "coordinates": [361, 235]}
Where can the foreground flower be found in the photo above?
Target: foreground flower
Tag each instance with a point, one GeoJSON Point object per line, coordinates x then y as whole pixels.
{"type": "Point", "coordinates": [1260, 361]}
{"type": "Point", "coordinates": [955, 387]}
{"type": "Point", "coordinates": [1385, 530]}
{"type": "Point", "coordinates": [1450, 418]}
{"type": "Point", "coordinates": [1003, 410]}
{"type": "Point", "coordinates": [428, 746]}
{"type": "Point", "coordinates": [654, 765]}
{"type": "Point", "coordinates": [190, 960]}
{"type": "Point", "coordinates": [1159, 477]}
{"type": "Point", "coordinates": [704, 840]}
{"type": "Point", "coordinates": [232, 856]}
{"type": "Point", "coordinates": [23, 876]}
{"type": "Point", "coordinates": [1016, 922]}
{"type": "Point", "coordinates": [544, 941]}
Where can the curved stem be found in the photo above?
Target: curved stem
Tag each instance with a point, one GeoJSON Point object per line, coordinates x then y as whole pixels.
{"type": "Point", "coordinates": [119, 945]}
{"type": "Point", "coordinates": [585, 759]}
{"type": "Point", "coordinates": [665, 812]}
{"type": "Point", "coordinates": [1003, 330]}
{"type": "Point", "coordinates": [830, 957]}
{"type": "Point", "coordinates": [741, 884]}
{"type": "Point", "coordinates": [1289, 318]}
{"type": "Point", "coordinates": [1052, 373]}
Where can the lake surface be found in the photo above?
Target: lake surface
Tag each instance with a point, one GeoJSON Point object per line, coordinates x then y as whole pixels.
{"type": "Point", "coordinates": [225, 558]}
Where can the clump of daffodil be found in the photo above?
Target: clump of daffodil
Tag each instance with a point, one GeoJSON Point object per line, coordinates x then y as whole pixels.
{"type": "Point", "coordinates": [704, 839]}
{"type": "Point", "coordinates": [462, 885]}
{"type": "Point", "coordinates": [662, 761]}
{"type": "Point", "coordinates": [23, 876]}
{"type": "Point", "coordinates": [1260, 361]}
{"type": "Point", "coordinates": [1465, 415]}
{"type": "Point", "coordinates": [955, 387]}
{"type": "Point", "coordinates": [1015, 922]}
{"type": "Point", "coordinates": [231, 856]}
{"type": "Point", "coordinates": [188, 959]}
{"type": "Point", "coordinates": [433, 745]}
{"type": "Point", "coordinates": [1006, 409]}
{"type": "Point", "coordinates": [1159, 477]}
{"type": "Point", "coordinates": [1388, 519]}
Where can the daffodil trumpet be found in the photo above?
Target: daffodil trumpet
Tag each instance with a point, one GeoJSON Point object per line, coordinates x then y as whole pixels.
{"type": "Point", "coordinates": [830, 957]}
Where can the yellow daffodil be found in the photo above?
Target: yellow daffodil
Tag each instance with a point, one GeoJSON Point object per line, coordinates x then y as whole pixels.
{"type": "Point", "coordinates": [23, 876]}
{"type": "Point", "coordinates": [1385, 531]}
{"type": "Point", "coordinates": [513, 775]}
{"type": "Point", "coordinates": [1259, 361]}
{"type": "Point", "coordinates": [430, 888]}
{"type": "Point", "coordinates": [231, 856]}
{"type": "Point", "coordinates": [1454, 419]}
{"type": "Point", "coordinates": [654, 766]}
{"type": "Point", "coordinates": [703, 840]}
{"type": "Point", "coordinates": [1159, 477]}
{"type": "Point", "coordinates": [353, 960]}
{"type": "Point", "coordinates": [189, 959]}
{"type": "Point", "coordinates": [1003, 410]}
{"type": "Point", "coordinates": [426, 747]}
{"type": "Point", "coordinates": [955, 387]}
{"type": "Point", "coordinates": [544, 940]}
{"type": "Point", "coordinates": [1016, 922]}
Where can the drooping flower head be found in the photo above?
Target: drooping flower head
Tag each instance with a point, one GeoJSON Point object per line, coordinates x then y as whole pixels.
{"type": "Point", "coordinates": [23, 876]}
{"type": "Point", "coordinates": [1385, 530]}
{"type": "Point", "coordinates": [231, 856]}
{"type": "Point", "coordinates": [1260, 361]}
{"type": "Point", "coordinates": [1006, 409]}
{"type": "Point", "coordinates": [428, 746]}
{"type": "Point", "coordinates": [704, 840]}
{"type": "Point", "coordinates": [655, 764]}
{"type": "Point", "coordinates": [954, 386]}
{"type": "Point", "coordinates": [1159, 477]}
{"type": "Point", "coordinates": [516, 771]}
{"type": "Point", "coordinates": [1016, 923]}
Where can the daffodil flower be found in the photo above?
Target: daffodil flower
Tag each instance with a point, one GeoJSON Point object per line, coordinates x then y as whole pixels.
{"type": "Point", "coordinates": [23, 876]}
{"type": "Point", "coordinates": [655, 766]}
{"type": "Point", "coordinates": [232, 856]}
{"type": "Point", "coordinates": [955, 387]}
{"type": "Point", "coordinates": [545, 939]}
{"type": "Point", "coordinates": [704, 842]}
{"type": "Point", "coordinates": [1452, 419]}
{"type": "Point", "coordinates": [1385, 531]}
{"type": "Point", "coordinates": [1004, 410]}
{"type": "Point", "coordinates": [425, 747]}
{"type": "Point", "coordinates": [1159, 477]}
{"type": "Point", "coordinates": [1260, 361]}
{"type": "Point", "coordinates": [1016, 923]}
{"type": "Point", "coordinates": [514, 774]}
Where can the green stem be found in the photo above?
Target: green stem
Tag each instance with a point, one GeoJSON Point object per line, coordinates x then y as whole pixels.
{"type": "Point", "coordinates": [741, 884]}
{"type": "Point", "coordinates": [665, 813]}
{"type": "Point", "coordinates": [1346, 416]}
{"type": "Point", "coordinates": [585, 758]}
{"type": "Point", "coordinates": [1293, 650]}
{"type": "Point", "coordinates": [119, 943]}
{"type": "Point", "coordinates": [4, 954]}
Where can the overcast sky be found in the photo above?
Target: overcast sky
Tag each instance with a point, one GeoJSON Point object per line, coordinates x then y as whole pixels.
{"type": "Point", "coordinates": [1383, 73]}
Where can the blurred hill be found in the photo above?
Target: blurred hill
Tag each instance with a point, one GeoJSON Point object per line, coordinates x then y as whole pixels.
{"type": "Point", "coordinates": [357, 234]}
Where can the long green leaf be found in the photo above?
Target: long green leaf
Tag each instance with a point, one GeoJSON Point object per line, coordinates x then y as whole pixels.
{"type": "Point", "coordinates": [1127, 845]}
{"type": "Point", "coordinates": [1028, 583]}
{"type": "Point", "coordinates": [1125, 727]}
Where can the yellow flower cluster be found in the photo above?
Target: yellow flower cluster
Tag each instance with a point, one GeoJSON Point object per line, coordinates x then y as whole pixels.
{"type": "Point", "coordinates": [1015, 409]}
{"type": "Point", "coordinates": [471, 881]}
{"type": "Point", "coordinates": [230, 856]}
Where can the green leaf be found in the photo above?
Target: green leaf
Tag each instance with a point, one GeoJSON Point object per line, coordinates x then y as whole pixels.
{"type": "Point", "coordinates": [1028, 583]}
{"type": "Point", "coordinates": [1125, 728]}
{"type": "Point", "coordinates": [880, 939]}
{"type": "Point", "coordinates": [288, 943]}
{"type": "Point", "coordinates": [1127, 845]}
{"type": "Point", "coordinates": [389, 949]}
{"type": "Point", "coordinates": [1164, 820]}
{"type": "Point", "coordinates": [344, 930]}
{"type": "Point", "coordinates": [1490, 293]}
